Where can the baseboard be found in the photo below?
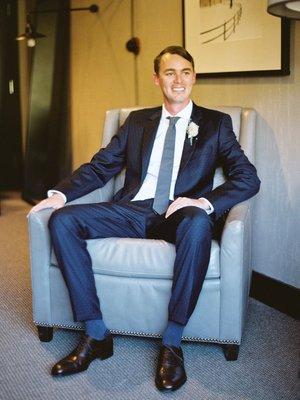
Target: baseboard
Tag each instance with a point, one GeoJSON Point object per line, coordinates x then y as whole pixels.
{"type": "Point", "coordinates": [276, 294]}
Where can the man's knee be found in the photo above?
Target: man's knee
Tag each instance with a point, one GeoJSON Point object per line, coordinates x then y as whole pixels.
{"type": "Point", "coordinates": [195, 220]}
{"type": "Point", "coordinates": [60, 218]}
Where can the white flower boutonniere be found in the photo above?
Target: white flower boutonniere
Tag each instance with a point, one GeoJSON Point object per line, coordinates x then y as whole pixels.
{"type": "Point", "coordinates": [192, 131]}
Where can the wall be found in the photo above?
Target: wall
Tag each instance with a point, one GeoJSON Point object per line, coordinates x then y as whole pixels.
{"type": "Point", "coordinates": [102, 78]}
{"type": "Point", "coordinates": [102, 70]}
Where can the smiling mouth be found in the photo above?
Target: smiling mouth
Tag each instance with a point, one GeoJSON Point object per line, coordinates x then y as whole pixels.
{"type": "Point", "coordinates": [178, 89]}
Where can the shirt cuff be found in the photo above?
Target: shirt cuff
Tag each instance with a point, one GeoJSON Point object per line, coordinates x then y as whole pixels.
{"type": "Point", "coordinates": [210, 209]}
{"type": "Point", "coordinates": [52, 192]}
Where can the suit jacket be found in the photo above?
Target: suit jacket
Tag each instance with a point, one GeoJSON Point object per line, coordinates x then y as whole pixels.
{"type": "Point", "coordinates": [131, 147]}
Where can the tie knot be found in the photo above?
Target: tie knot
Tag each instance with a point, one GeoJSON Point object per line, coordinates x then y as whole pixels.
{"type": "Point", "coordinates": [173, 120]}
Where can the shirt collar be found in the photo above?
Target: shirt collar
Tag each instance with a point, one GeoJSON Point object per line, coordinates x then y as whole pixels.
{"type": "Point", "coordinates": [184, 113]}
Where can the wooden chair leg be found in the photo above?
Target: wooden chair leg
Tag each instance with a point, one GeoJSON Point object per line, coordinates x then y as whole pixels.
{"type": "Point", "coordinates": [231, 351]}
{"type": "Point", "coordinates": [45, 333]}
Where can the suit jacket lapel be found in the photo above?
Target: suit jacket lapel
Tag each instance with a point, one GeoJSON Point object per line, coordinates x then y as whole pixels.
{"type": "Point", "coordinates": [150, 130]}
{"type": "Point", "coordinates": [188, 148]}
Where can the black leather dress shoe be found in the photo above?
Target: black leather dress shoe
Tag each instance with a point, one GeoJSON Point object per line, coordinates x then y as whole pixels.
{"type": "Point", "coordinates": [87, 350]}
{"type": "Point", "coordinates": [170, 373]}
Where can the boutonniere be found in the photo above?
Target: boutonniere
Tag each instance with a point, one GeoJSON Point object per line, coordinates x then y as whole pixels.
{"type": "Point", "coordinates": [192, 131]}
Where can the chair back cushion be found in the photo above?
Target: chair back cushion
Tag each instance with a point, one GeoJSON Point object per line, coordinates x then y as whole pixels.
{"type": "Point", "coordinates": [242, 119]}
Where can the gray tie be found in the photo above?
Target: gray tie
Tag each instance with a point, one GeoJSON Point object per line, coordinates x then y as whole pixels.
{"type": "Point", "coordinates": [161, 199]}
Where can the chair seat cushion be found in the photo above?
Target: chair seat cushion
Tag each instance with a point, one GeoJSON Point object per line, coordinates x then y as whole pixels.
{"type": "Point", "coordinates": [139, 258]}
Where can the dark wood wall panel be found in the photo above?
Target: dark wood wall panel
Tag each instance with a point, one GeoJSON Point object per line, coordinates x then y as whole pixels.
{"type": "Point", "coordinates": [48, 148]}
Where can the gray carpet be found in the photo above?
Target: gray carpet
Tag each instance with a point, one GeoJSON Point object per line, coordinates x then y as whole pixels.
{"type": "Point", "coordinates": [267, 367]}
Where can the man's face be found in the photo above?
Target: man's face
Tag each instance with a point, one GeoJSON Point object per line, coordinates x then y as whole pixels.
{"type": "Point", "coordinates": [176, 78]}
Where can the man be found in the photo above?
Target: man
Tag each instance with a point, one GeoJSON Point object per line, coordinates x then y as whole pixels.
{"type": "Point", "coordinates": [170, 154]}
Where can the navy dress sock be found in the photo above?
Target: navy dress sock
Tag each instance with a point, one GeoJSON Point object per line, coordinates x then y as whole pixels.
{"type": "Point", "coordinates": [173, 334]}
{"type": "Point", "coordinates": [96, 328]}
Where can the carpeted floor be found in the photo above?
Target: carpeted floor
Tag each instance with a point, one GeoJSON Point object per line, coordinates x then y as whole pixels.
{"type": "Point", "coordinates": [266, 369]}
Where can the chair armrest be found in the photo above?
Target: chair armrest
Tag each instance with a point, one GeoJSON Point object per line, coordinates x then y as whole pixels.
{"type": "Point", "coordinates": [40, 251]}
{"type": "Point", "coordinates": [235, 259]}
{"type": "Point", "coordinates": [97, 196]}
{"type": "Point", "coordinates": [39, 241]}
{"type": "Point", "coordinates": [237, 214]}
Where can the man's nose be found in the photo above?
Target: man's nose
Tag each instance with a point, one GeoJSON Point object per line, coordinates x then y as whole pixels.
{"type": "Point", "coordinates": [178, 78]}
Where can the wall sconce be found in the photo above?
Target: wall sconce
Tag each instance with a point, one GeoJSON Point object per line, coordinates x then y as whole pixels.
{"type": "Point", "coordinates": [284, 8]}
{"type": "Point", "coordinates": [30, 34]}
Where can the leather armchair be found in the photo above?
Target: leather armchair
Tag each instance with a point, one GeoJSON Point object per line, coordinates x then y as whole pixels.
{"type": "Point", "coordinates": [133, 276]}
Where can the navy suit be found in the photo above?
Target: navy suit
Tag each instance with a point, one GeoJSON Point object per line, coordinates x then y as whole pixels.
{"type": "Point", "coordinates": [190, 228]}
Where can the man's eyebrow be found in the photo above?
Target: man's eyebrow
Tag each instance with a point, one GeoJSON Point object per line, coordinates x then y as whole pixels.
{"type": "Point", "coordinates": [173, 69]}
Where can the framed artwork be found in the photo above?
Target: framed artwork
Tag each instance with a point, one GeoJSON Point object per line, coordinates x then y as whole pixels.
{"type": "Point", "coordinates": [236, 38]}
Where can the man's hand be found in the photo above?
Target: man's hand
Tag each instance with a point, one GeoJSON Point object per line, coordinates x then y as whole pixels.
{"type": "Point", "coordinates": [56, 201]}
{"type": "Point", "coordinates": [181, 202]}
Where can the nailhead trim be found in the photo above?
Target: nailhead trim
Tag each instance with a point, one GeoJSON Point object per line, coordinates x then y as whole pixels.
{"type": "Point", "coordinates": [141, 334]}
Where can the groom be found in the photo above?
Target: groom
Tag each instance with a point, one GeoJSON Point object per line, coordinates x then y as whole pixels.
{"type": "Point", "coordinates": [170, 154]}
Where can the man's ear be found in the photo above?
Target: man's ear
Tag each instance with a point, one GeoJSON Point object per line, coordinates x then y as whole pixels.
{"type": "Point", "coordinates": [194, 77]}
{"type": "Point", "coordinates": [156, 79]}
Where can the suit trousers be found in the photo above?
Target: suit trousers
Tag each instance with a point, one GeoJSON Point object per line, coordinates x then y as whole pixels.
{"type": "Point", "coordinates": [189, 228]}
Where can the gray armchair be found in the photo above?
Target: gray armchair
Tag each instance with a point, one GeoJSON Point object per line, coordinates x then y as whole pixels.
{"type": "Point", "coordinates": [133, 276]}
